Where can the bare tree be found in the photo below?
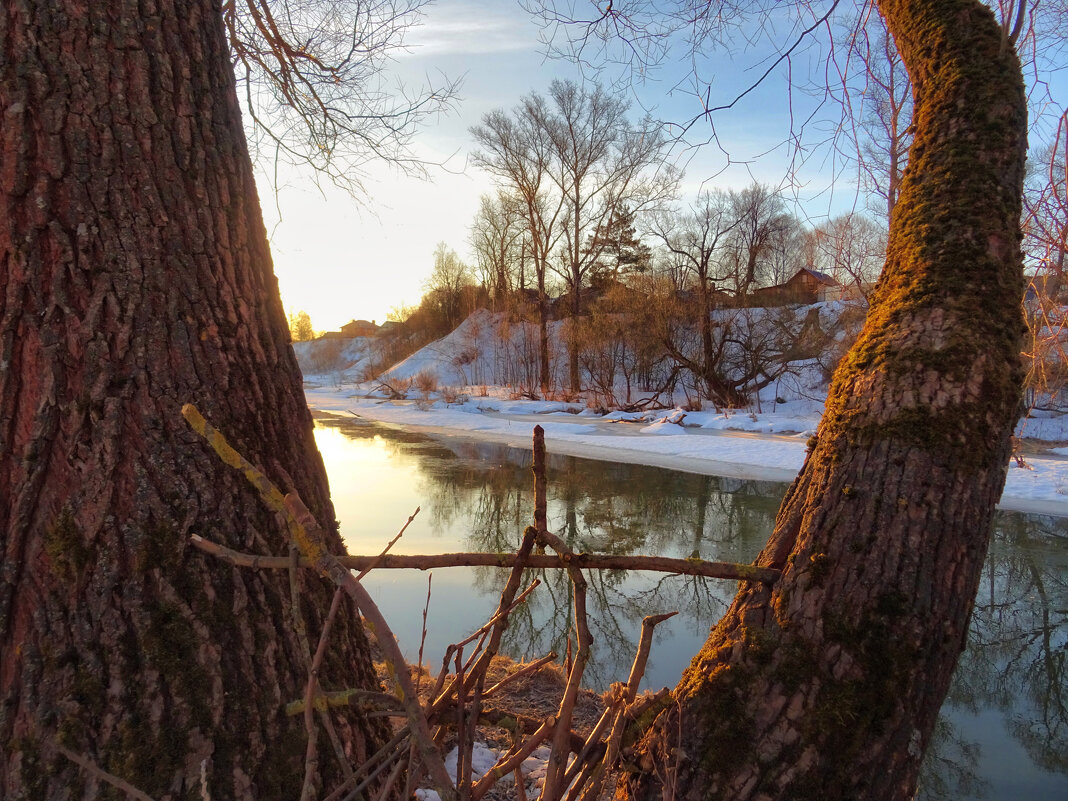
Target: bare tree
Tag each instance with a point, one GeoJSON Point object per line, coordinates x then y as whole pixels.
{"type": "Point", "coordinates": [760, 219]}
{"type": "Point", "coordinates": [695, 240]}
{"type": "Point", "coordinates": [497, 239]}
{"type": "Point", "coordinates": [849, 248]}
{"type": "Point", "coordinates": [313, 80]}
{"type": "Point", "coordinates": [600, 164]}
{"type": "Point", "coordinates": [516, 149]}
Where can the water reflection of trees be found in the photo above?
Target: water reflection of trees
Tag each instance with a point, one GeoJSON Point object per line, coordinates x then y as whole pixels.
{"type": "Point", "coordinates": [1015, 659]}
{"type": "Point", "coordinates": [605, 508]}
{"type": "Point", "coordinates": [1018, 643]}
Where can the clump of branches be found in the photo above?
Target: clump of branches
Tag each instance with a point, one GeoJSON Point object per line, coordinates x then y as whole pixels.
{"type": "Point", "coordinates": [312, 75]}
{"type": "Point", "coordinates": [460, 699]}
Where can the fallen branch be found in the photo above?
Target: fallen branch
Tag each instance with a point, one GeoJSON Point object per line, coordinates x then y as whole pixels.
{"type": "Point", "coordinates": [511, 761]}
{"type": "Point", "coordinates": [429, 754]}
{"type": "Point", "coordinates": [583, 561]}
{"type": "Point", "coordinates": [461, 703]}
{"type": "Point", "coordinates": [309, 537]}
{"type": "Point", "coordinates": [385, 551]}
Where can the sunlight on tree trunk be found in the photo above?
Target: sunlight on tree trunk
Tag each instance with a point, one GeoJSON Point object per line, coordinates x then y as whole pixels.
{"type": "Point", "coordinates": [827, 685]}
{"type": "Point", "coordinates": [137, 277]}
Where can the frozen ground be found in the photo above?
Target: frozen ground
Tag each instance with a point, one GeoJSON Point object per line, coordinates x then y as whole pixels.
{"type": "Point", "coordinates": [767, 445]}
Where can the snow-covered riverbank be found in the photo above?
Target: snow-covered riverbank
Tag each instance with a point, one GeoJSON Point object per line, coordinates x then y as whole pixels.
{"type": "Point", "coordinates": [768, 446]}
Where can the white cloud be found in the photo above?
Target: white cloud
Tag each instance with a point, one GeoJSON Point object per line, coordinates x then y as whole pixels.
{"type": "Point", "coordinates": [472, 29]}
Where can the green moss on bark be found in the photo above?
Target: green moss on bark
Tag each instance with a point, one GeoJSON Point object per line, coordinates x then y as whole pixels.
{"type": "Point", "coordinates": [65, 546]}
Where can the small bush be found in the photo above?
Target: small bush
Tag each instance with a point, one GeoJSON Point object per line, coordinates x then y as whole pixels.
{"type": "Point", "coordinates": [453, 395]}
{"type": "Point", "coordinates": [426, 382]}
{"type": "Point", "coordinates": [371, 370]}
{"type": "Point", "coordinates": [324, 355]}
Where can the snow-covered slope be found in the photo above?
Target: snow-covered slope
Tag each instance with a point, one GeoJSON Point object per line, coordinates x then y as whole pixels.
{"type": "Point", "coordinates": [337, 360]}
{"type": "Point", "coordinates": [490, 350]}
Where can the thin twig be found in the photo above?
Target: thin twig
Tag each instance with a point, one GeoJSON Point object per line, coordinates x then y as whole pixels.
{"type": "Point", "coordinates": [364, 571]}
{"type": "Point", "coordinates": [373, 765]}
{"type": "Point", "coordinates": [593, 740]}
{"type": "Point", "coordinates": [501, 614]}
{"type": "Point", "coordinates": [422, 637]}
{"type": "Point", "coordinates": [94, 770]}
{"type": "Point", "coordinates": [463, 755]}
{"type": "Point", "coordinates": [309, 537]}
{"type": "Point", "coordinates": [585, 561]}
{"type": "Point", "coordinates": [523, 671]}
{"type": "Point", "coordinates": [310, 757]}
{"type": "Point", "coordinates": [387, 786]}
{"type": "Point", "coordinates": [410, 773]}
{"type": "Point", "coordinates": [335, 742]}
{"type": "Point", "coordinates": [475, 653]}
{"type": "Point", "coordinates": [443, 674]}
{"type": "Point", "coordinates": [513, 760]}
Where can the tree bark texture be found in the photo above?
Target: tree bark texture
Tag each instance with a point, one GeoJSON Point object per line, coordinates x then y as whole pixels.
{"type": "Point", "coordinates": [827, 684]}
{"type": "Point", "coordinates": [135, 276]}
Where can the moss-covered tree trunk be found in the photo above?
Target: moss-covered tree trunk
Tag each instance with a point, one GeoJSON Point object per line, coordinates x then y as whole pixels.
{"type": "Point", "coordinates": [827, 685]}
{"type": "Point", "coordinates": [134, 277]}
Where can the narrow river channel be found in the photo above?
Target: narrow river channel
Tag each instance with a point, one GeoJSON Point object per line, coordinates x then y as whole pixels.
{"type": "Point", "coordinates": [1003, 734]}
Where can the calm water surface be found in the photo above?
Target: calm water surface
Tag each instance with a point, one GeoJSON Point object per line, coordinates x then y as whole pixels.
{"type": "Point", "coordinates": [1003, 734]}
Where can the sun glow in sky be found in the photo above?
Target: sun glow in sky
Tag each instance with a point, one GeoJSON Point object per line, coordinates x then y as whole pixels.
{"type": "Point", "coordinates": [341, 258]}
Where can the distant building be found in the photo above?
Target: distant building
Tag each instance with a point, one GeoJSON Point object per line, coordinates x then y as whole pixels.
{"type": "Point", "coordinates": [353, 329]}
{"type": "Point", "coordinates": [359, 328]}
{"type": "Point", "coordinates": [804, 287]}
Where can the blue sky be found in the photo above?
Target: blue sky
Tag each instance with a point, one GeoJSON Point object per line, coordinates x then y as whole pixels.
{"type": "Point", "coordinates": [341, 258]}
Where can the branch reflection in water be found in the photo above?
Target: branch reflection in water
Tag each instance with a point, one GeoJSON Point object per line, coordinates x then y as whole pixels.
{"type": "Point", "coordinates": [1003, 732]}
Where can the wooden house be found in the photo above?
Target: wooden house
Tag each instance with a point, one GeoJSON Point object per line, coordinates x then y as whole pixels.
{"type": "Point", "coordinates": [803, 287]}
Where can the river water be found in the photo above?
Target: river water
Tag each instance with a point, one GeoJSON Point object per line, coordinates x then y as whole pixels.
{"type": "Point", "coordinates": [1003, 733]}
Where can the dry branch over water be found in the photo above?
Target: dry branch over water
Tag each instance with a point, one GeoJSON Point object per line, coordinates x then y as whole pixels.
{"type": "Point", "coordinates": [459, 701]}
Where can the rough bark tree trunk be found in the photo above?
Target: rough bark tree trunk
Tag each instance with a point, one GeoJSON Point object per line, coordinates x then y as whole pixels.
{"type": "Point", "coordinates": [544, 373]}
{"type": "Point", "coordinates": [574, 377]}
{"type": "Point", "coordinates": [828, 684]}
{"type": "Point", "coordinates": [135, 277]}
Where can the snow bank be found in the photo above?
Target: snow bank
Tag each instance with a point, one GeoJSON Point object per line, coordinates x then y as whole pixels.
{"type": "Point", "coordinates": [487, 364]}
{"type": "Point", "coordinates": [741, 445]}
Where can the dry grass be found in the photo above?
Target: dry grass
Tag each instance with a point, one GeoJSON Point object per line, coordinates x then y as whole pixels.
{"type": "Point", "coordinates": [426, 382]}
{"type": "Point", "coordinates": [536, 696]}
